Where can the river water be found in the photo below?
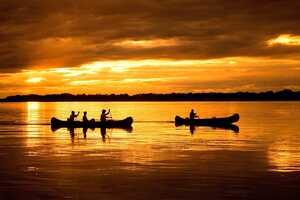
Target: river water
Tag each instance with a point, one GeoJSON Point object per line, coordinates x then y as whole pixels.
{"type": "Point", "coordinates": [154, 160]}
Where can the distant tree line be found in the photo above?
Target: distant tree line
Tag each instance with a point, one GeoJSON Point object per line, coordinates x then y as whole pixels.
{"type": "Point", "coordinates": [283, 95]}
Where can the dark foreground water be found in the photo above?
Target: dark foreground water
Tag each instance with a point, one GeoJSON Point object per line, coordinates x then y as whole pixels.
{"type": "Point", "coordinates": [156, 160]}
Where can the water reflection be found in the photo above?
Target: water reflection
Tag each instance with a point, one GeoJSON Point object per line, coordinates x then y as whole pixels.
{"type": "Point", "coordinates": [103, 132]}
{"type": "Point", "coordinates": [72, 133]}
{"type": "Point", "coordinates": [33, 116]}
{"type": "Point", "coordinates": [192, 129]}
{"type": "Point", "coordinates": [33, 112]}
{"type": "Point", "coordinates": [284, 157]}
{"type": "Point", "coordinates": [262, 126]}
{"type": "Point", "coordinates": [84, 131]}
{"type": "Point", "coordinates": [231, 127]}
{"type": "Point", "coordinates": [211, 161]}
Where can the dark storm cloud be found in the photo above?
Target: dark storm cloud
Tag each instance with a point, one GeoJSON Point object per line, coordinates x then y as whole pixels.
{"type": "Point", "coordinates": [70, 33]}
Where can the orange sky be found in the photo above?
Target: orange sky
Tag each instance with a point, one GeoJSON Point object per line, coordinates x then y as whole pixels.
{"type": "Point", "coordinates": [141, 46]}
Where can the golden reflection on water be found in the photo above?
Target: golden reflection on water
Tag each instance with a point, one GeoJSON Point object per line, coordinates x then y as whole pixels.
{"type": "Point", "coordinates": [33, 116]}
{"type": "Point", "coordinates": [33, 113]}
{"type": "Point", "coordinates": [155, 140]}
{"type": "Point", "coordinates": [148, 144]}
{"type": "Point", "coordinates": [284, 157]}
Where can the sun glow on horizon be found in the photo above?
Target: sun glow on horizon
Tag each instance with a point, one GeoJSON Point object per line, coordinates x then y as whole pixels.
{"type": "Point", "coordinates": [285, 39]}
{"type": "Point", "coordinates": [147, 43]}
{"type": "Point", "coordinates": [84, 82]}
{"type": "Point", "coordinates": [154, 75]}
{"type": "Point", "coordinates": [35, 80]}
{"type": "Point", "coordinates": [122, 65]}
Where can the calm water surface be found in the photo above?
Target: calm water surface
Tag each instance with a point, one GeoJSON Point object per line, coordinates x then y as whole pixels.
{"type": "Point", "coordinates": [155, 159]}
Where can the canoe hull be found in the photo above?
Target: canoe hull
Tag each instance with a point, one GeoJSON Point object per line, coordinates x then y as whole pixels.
{"type": "Point", "coordinates": [207, 122]}
{"type": "Point", "coordinates": [125, 123]}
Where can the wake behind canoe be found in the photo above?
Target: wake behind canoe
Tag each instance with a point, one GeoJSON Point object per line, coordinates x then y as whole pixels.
{"type": "Point", "coordinates": [125, 123]}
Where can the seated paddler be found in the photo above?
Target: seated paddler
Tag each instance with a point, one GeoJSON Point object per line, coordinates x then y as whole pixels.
{"type": "Point", "coordinates": [84, 118]}
{"type": "Point", "coordinates": [73, 116]}
{"type": "Point", "coordinates": [104, 115]}
{"type": "Point", "coordinates": [193, 115]}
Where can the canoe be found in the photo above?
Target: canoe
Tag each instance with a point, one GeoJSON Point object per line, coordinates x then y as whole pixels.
{"type": "Point", "coordinates": [215, 122]}
{"type": "Point", "coordinates": [125, 123]}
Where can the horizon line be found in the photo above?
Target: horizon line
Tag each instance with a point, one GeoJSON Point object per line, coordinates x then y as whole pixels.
{"type": "Point", "coordinates": [285, 94]}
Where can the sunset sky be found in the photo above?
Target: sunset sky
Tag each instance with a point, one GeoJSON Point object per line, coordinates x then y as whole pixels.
{"type": "Point", "coordinates": [114, 46]}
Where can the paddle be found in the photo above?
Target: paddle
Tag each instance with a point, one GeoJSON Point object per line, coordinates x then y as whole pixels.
{"type": "Point", "coordinates": [110, 115]}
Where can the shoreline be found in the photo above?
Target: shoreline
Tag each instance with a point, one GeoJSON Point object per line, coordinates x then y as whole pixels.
{"type": "Point", "coordinates": [258, 100]}
{"type": "Point", "coordinates": [283, 95]}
